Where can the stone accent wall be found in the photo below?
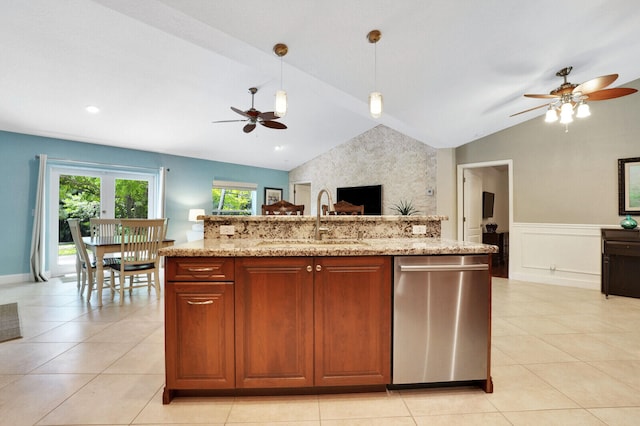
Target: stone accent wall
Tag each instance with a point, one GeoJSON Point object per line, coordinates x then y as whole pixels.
{"type": "Point", "coordinates": [405, 167]}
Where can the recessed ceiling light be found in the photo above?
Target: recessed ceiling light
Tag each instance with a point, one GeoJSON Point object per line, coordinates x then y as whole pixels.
{"type": "Point", "coordinates": [92, 109]}
{"type": "Point", "coordinates": [278, 148]}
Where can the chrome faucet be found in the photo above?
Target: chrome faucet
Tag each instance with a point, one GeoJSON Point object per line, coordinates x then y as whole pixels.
{"type": "Point", "coordinates": [321, 231]}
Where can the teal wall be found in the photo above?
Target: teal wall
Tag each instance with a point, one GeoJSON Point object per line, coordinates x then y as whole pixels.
{"type": "Point", "coordinates": [188, 185]}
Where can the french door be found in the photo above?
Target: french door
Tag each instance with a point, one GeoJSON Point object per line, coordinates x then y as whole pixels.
{"type": "Point", "coordinates": [83, 193]}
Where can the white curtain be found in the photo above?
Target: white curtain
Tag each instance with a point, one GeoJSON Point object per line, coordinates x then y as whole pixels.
{"type": "Point", "coordinates": [37, 236]}
{"type": "Point", "coordinates": [161, 191]}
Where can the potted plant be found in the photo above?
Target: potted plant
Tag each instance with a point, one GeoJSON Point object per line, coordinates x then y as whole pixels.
{"type": "Point", "coordinates": [405, 208]}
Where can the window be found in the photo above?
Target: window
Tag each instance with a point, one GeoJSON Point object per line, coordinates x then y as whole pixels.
{"type": "Point", "coordinates": [234, 198]}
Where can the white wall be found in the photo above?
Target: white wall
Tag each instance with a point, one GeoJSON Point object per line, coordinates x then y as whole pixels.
{"type": "Point", "coordinates": [446, 191]}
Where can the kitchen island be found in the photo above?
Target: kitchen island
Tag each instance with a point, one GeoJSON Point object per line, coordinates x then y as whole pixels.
{"type": "Point", "coordinates": [259, 306]}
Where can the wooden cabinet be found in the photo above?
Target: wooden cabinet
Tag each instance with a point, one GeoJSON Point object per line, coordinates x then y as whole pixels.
{"type": "Point", "coordinates": [274, 322]}
{"type": "Point", "coordinates": [621, 262]}
{"type": "Point", "coordinates": [322, 321]}
{"type": "Point", "coordinates": [199, 324]}
{"type": "Point", "coordinates": [352, 307]}
{"type": "Point", "coordinates": [270, 322]}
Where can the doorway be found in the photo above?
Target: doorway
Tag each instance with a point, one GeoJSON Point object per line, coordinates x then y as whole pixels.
{"type": "Point", "coordinates": [84, 193]}
{"type": "Point", "coordinates": [302, 195]}
{"type": "Point", "coordinates": [495, 177]}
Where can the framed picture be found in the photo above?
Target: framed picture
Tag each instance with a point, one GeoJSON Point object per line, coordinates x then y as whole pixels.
{"type": "Point", "coordinates": [272, 195]}
{"type": "Point", "coordinates": [629, 186]}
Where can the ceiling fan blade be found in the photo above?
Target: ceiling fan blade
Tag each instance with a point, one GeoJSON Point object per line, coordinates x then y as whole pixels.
{"type": "Point", "coordinates": [530, 109]}
{"type": "Point", "coordinates": [273, 124]}
{"type": "Point", "coordinates": [234, 109]}
{"type": "Point", "coordinates": [249, 128]}
{"type": "Point", "coordinates": [530, 95]}
{"type": "Point", "coordinates": [269, 115]}
{"type": "Point", "coordinates": [228, 121]}
{"type": "Point", "coordinates": [605, 94]}
{"type": "Point", "coordinates": [595, 84]}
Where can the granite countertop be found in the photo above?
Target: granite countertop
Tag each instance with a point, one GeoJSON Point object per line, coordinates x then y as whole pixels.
{"type": "Point", "coordinates": [243, 247]}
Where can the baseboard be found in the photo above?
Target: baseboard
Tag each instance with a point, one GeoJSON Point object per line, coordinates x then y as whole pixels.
{"type": "Point", "coordinates": [16, 278]}
{"type": "Point", "coordinates": [566, 282]}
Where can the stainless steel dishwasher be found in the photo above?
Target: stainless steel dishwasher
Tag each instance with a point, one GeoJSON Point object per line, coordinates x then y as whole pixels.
{"type": "Point", "coordinates": [441, 319]}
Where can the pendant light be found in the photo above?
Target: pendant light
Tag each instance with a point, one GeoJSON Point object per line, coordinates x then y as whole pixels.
{"type": "Point", "coordinates": [375, 97]}
{"type": "Point", "coordinates": [280, 109]}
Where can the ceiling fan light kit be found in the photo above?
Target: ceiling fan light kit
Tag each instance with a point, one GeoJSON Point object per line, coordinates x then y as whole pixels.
{"type": "Point", "coordinates": [583, 110]}
{"type": "Point", "coordinates": [280, 50]}
{"type": "Point", "coordinates": [375, 97]}
{"type": "Point", "coordinates": [569, 97]}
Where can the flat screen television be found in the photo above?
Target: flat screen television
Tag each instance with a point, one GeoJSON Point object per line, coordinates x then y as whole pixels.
{"type": "Point", "coordinates": [487, 204]}
{"type": "Point", "coordinates": [370, 196]}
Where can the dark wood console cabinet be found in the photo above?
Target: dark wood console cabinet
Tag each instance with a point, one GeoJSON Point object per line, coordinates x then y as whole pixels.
{"type": "Point", "coordinates": [621, 262]}
{"type": "Point", "coordinates": [500, 239]}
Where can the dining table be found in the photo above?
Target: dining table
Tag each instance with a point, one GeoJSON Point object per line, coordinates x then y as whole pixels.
{"type": "Point", "coordinates": [100, 246]}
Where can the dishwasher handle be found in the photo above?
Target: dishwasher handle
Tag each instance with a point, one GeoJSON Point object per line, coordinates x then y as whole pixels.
{"type": "Point", "coordinates": [444, 268]}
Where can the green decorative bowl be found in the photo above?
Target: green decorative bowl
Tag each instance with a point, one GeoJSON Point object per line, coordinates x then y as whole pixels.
{"type": "Point", "coordinates": [628, 222]}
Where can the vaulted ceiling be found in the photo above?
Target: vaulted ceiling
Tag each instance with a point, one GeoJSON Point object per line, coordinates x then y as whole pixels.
{"type": "Point", "coordinates": [162, 70]}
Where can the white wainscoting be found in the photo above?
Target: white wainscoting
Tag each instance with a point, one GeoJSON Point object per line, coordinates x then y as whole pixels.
{"type": "Point", "coordinates": [560, 254]}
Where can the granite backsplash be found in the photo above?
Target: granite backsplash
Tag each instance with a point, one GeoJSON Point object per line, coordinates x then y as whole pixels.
{"type": "Point", "coordinates": [303, 227]}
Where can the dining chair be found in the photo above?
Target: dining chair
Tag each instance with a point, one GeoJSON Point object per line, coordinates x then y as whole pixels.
{"type": "Point", "coordinates": [105, 228]}
{"type": "Point", "coordinates": [140, 240]}
{"type": "Point", "coordinates": [343, 208]}
{"type": "Point", "coordinates": [85, 267]}
{"type": "Point", "coordinates": [283, 207]}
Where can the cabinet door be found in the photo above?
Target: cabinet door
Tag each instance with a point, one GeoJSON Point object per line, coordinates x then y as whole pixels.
{"type": "Point", "coordinates": [274, 322]}
{"type": "Point", "coordinates": [352, 320]}
{"type": "Point", "coordinates": [199, 335]}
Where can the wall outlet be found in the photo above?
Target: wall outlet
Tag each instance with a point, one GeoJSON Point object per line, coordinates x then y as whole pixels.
{"type": "Point", "coordinates": [419, 229]}
{"type": "Point", "coordinates": [227, 229]}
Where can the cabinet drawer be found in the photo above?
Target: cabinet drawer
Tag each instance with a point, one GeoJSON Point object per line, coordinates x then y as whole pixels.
{"type": "Point", "coordinates": [622, 248]}
{"type": "Point", "coordinates": [199, 269]}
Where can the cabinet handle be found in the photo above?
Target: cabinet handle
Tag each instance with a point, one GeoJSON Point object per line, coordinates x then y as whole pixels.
{"type": "Point", "coordinates": [318, 268]}
{"type": "Point", "coordinates": [309, 268]}
{"type": "Point", "coordinates": [204, 302]}
{"type": "Point", "coordinates": [203, 269]}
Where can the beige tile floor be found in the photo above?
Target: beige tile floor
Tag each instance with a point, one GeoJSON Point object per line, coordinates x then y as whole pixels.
{"type": "Point", "coordinates": [561, 356]}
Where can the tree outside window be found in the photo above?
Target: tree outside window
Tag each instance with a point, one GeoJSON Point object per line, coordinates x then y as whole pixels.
{"type": "Point", "coordinates": [233, 198]}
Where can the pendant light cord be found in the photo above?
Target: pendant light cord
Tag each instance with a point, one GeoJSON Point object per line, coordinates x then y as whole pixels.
{"type": "Point", "coordinates": [375, 66]}
{"type": "Point", "coordinates": [281, 72]}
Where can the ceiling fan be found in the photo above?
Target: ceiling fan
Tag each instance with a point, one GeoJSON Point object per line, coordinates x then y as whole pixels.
{"type": "Point", "coordinates": [253, 116]}
{"type": "Point", "coordinates": [568, 95]}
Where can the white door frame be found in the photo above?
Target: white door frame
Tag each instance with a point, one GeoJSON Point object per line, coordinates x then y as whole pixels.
{"type": "Point", "coordinates": [107, 203]}
{"type": "Point", "coordinates": [460, 190]}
